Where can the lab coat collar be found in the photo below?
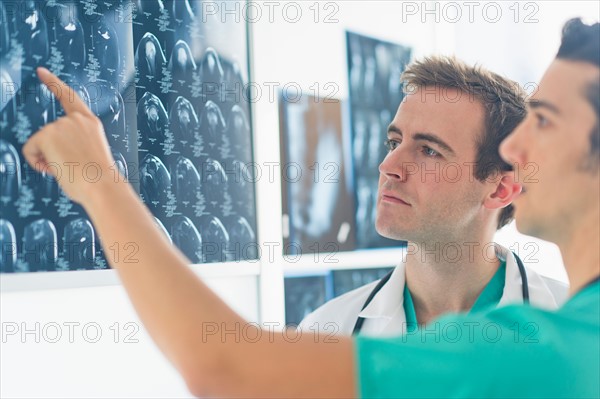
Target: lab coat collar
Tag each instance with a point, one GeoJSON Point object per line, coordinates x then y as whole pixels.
{"type": "Point", "coordinates": [389, 301]}
{"type": "Point", "coordinates": [539, 292]}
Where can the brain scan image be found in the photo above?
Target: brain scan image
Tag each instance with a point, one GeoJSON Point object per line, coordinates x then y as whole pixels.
{"type": "Point", "coordinates": [10, 172]}
{"type": "Point", "coordinates": [242, 240]}
{"type": "Point", "coordinates": [211, 68]}
{"type": "Point", "coordinates": [214, 183]}
{"type": "Point", "coordinates": [215, 241]}
{"type": "Point", "coordinates": [182, 64]}
{"type": "Point", "coordinates": [106, 49]}
{"type": "Point", "coordinates": [186, 182]}
{"type": "Point", "coordinates": [155, 182]}
{"type": "Point", "coordinates": [212, 126]}
{"type": "Point", "coordinates": [241, 187]}
{"type": "Point", "coordinates": [121, 164]}
{"type": "Point", "coordinates": [37, 102]}
{"type": "Point", "coordinates": [32, 34]}
{"type": "Point", "coordinates": [162, 228]}
{"type": "Point", "coordinates": [8, 245]}
{"type": "Point", "coordinates": [79, 244]}
{"type": "Point", "coordinates": [69, 37]}
{"type": "Point", "coordinates": [40, 245]}
{"type": "Point", "coordinates": [110, 108]}
{"type": "Point", "coordinates": [187, 238]}
{"type": "Point", "coordinates": [184, 121]}
{"type": "Point", "coordinates": [149, 61]}
{"type": "Point", "coordinates": [238, 131]}
{"type": "Point", "coordinates": [152, 122]}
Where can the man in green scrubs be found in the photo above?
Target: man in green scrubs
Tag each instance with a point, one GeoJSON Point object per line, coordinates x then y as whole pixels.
{"type": "Point", "coordinates": [517, 351]}
{"type": "Point", "coordinates": [521, 351]}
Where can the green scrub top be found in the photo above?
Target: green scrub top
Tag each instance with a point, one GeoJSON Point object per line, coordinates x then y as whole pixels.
{"type": "Point", "coordinates": [490, 296]}
{"type": "Point", "coordinates": [510, 352]}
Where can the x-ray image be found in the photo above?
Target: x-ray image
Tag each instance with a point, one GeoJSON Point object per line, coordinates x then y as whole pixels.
{"type": "Point", "coordinates": [149, 62]}
{"type": "Point", "coordinates": [68, 36]}
{"type": "Point", "coordinates": [185, 66]}
{"type": "Point", "coordinates": [215, 240]}
{"type": "Point", "coordinates": [10, 173]}
{"type": "Point", "coordinates": [374, 69]}
{"type": "Point", "coordinates": [186, 182]}
{"type": "Point", "coordinates": [153, 123]}
{"type": "Point", "coordinates": [214, 185]}
{"type": "Point", "coordinates": [170, 131]}
{"type": "Point", "coordinates": [238, 133]}
{"type": "Point", "coordinates": [185, 124]}
{"type": "Point", "coordinates": [241, 187]}
{"type": "Point", "coordinates": [79, 243]}
{"type": "Point", "coordinates": [110, 108]}
{"type": "Point", "coordinates": [182, 67]}
{"type": "Point", "coordinates": [212, 127]}
{"type": "Point", "coordinates": [303, 295]}
{"type": "Point", "coordinates": [38, 108]}
{"type": "Point", "coordinates": [211, 68]}
{"type": "Point", "coordinates": [8, 245]}
{"type": "Point", "coordinates": [33, 34]}
{"type": "Point", "coordinates": [155, 183]}
{"type": "Point", "coordinates": [107, 49]}
{"type": "Point", "coordinates": [187, 238]}
{"type": "Point", "coordinates": [347, 280]}
{"type": "Point", "coordinates": [242, 239]}
{"type": "Point", "coordinates": [94, 55]}
{"type": "Point", "coordinates": [40, 246]}
{"type": "Point", "coordinates": [317, 200]}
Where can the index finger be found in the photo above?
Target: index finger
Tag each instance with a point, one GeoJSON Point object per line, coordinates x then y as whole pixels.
{"type": "Point", "coordinates": [69, 99]}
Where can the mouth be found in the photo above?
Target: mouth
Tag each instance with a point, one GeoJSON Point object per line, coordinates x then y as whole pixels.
{"type": "Point", "coordinates": [390, 197]}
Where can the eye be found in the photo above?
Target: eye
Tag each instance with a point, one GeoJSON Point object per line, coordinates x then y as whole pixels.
{"type": "Point", "coordinates": [391, 144]}
{"type": "Point", "coordinates": [430, 152]}
{"type": "Point", "coordinates": [542, 122]}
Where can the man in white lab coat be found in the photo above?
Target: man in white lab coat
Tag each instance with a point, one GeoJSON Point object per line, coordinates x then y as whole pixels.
{"type": "Point", "coordinates": [444, 188]}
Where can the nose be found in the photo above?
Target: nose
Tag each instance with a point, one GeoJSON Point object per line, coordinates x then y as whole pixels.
{"type": "Point", "coordinates": [392, 166]}
{"type": "Point", "coordinates": [512, 149]}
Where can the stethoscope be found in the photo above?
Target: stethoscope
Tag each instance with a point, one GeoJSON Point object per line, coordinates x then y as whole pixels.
{"type": "Point", "coordinates": [360, 321]}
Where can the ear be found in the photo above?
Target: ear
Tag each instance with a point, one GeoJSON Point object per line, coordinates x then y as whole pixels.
{"type": "Point", "coordinates": [507, 189]}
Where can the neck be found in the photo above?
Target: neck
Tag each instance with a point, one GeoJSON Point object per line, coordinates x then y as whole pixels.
{"type": "Point", "coordinates": [581, 253]}
{"type": "Point", "coordinates": [443, 279]}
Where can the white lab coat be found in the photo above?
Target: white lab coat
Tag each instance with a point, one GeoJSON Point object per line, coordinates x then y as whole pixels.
{"type": "Point", "coordinates": [385, 314]}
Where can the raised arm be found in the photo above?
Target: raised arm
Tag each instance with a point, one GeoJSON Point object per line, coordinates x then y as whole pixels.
{"type": "Point", "coordinates": [178, 309]}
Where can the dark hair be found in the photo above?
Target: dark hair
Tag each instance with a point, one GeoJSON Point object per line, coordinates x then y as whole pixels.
{"type": "Point", "coordinates": [503, 100]}
{"type": "Point", "coordinates": [581, 42]}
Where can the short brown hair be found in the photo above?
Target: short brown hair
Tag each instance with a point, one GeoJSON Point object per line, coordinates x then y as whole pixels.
{"type": "Point", "coordinates": [503, 100]}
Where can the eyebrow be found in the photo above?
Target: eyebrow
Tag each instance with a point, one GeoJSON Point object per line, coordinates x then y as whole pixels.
{"type": "Point", "coordinates": [543, 104]}
{"type": "Point", "coordinates": [432, 138]}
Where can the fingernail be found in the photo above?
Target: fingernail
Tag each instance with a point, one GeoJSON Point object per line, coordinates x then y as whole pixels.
{"type": "Point", "coordinates": [42, 70]}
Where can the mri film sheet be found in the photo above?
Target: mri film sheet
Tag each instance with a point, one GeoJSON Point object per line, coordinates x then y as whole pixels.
{"type": "Point", "coordinates": [194, 128]}
{"type": "Point", "coordinates": [317, 201]}
{"type": "Point", "coordinates": [374, 69]}
{"type": "Point", "coordinates": [89, 45]}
